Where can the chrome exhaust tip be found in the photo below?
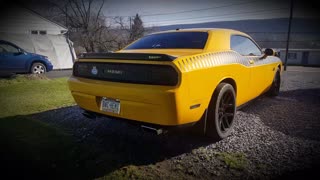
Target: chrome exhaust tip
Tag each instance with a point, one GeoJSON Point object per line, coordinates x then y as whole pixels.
{"type": "Point", "coordinates": [89, 115]}
{"type": "Point", "coordinates": [151, 129]}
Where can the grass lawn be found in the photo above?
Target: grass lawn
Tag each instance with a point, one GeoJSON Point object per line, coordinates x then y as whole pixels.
{"type": "Point", "coordinates": [21, 96]}
{"type": "Point", "coordinates": [32, 148]}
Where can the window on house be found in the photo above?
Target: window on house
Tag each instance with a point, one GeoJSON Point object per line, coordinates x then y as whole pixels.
{"type": "Point", "coordinates": [34, 32]}
{"type": "Point", "coordinates": [292, 55]}
{"type": "Point", "coordinates": [43, 32]}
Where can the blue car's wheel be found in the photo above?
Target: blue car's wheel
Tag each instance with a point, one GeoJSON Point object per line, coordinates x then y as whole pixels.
{"type": "Point", "coordinates": [38, 68]}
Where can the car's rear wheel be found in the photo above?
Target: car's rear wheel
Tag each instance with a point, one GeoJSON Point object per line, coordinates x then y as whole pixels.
{"type": "Point", "coordinates": [38, 68]}
{"type": "Point", "coordinates": [275, 87]}
{"type": "Point", "coordinates": [221, 112]}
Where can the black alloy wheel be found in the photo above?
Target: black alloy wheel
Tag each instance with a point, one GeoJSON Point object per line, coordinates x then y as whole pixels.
{"type": "Point", "coordinates": [275, 86]}
{"type": "Point", "coordinates": [221, 112]}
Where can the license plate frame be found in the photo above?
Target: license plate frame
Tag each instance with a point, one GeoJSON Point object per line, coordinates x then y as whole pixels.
{"type": "Point", "coordinates": [110, 105]}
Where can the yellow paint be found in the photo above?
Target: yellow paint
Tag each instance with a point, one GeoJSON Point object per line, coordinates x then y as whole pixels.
{"type": "Point", "coordinates": [200, 72]}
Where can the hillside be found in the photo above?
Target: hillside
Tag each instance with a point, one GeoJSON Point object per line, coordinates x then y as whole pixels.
{"type": "Point", "coordinates": [268, 32]}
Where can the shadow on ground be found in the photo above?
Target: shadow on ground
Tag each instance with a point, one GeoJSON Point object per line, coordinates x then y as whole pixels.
{"type": "Point", "coordinates": [84, 148]}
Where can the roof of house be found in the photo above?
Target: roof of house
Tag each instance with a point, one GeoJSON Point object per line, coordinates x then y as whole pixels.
{"type": "Point", "coordinates": [36, 13]}
{"type": "Point", "coordinates": [21, 20]}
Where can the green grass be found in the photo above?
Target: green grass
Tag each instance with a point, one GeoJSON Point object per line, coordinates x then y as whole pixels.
{"type": "Point", "coordinates": [30, 147]}
{"type": "Point", "coordinates": [128, 172]}
{"type": "Point", "coordinates": [234, 160]}
{"type": "Point", "coordinates": [22, 95]}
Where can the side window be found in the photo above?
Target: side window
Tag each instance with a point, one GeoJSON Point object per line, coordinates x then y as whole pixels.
{"type": "Point", "coordinates": [244, 46]}
{"type": "Point", "coordinates": [6, 48]}
{"type": "Point", "coordinates": [2, 50]}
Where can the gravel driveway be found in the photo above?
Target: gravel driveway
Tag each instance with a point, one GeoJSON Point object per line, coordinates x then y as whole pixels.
{"type": "Point", "coordinates": [273, 138]}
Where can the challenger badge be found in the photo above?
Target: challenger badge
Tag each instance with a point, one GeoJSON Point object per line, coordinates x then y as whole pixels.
{"type": "Point", "coordinates": [113, 71]}
{"type": "Point", "coordinates": [94, 70]}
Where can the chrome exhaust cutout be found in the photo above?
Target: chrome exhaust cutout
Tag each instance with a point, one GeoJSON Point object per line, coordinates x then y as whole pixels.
{"type": "Point", "coordinates": [89, 115]}
{"type": "Point", "coordinates": [151, 129]}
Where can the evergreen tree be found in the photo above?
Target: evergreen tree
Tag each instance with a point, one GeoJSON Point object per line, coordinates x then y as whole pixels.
{"type": "Point", "coordinates": [137, 29]}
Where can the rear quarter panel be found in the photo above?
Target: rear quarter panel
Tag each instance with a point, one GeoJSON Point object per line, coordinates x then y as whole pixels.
{"type": "Point", "coordinates": [204, 72]}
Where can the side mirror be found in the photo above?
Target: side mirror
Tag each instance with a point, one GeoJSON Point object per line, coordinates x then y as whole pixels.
{"type": "Point", "coordinates": [20, 51]}
{"type": "Point", "coordinates": [269, 52]}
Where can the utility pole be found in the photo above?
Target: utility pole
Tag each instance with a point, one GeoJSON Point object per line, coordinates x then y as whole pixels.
{"type": "Point", "coordinates": [288, 37]}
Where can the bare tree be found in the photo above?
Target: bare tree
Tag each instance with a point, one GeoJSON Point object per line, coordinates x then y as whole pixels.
{"type": "Point", "coordinates": [85, 20]}
{"type": "Point", "coordinates": [89, 29]}
{"type": "Point", "coordinates": [127, 32]}
{"type": "Point", "coordinates": [122, 32]}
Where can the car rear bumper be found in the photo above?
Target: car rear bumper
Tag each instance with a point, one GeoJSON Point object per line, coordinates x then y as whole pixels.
{"type": "Point", "coordinates": [161, 105]}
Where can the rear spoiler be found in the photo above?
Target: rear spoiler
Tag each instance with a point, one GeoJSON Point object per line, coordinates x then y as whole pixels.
{"type": "Point", "coordinates": [128, 56]}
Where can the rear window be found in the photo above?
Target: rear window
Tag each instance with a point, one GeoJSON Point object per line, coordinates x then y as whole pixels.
{"type": "Point", "coordinates": [173, 40]}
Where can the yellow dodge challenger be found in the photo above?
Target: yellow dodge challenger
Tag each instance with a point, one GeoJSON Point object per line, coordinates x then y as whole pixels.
{"type": "Point", "coordinates": [178, 77]}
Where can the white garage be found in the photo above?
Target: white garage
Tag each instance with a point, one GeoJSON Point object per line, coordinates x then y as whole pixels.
{"type": "Point", "coordinates": [36, 34]}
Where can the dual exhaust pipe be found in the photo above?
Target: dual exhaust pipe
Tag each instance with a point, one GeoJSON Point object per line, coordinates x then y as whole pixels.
{"type": "Point", "coordinates": [157, 131]}
{"type": "Point", "coordinates": [89, 114]}
{"type": "Point", "coordinates": [152, 129]}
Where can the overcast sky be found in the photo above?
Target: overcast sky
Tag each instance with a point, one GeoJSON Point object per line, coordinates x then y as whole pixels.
{"type": "Point", "coordinates": [167, 12]}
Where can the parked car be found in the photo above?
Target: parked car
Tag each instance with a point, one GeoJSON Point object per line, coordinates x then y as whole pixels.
{"type": "Point", "coordinates": [14, 59]}
{"type": "Point", "coordinates": [180, 77]}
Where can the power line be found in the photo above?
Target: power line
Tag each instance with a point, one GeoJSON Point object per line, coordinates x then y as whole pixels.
{"type": "Point", "coordinates": [215, 7]}
{"type": "Point", "coordinates": [218, 16]}
{"type": "Point", "coordinates": [310, 41]}
{"type": "Point", "coordinates": [284, 32]}
{"type": "Point", "coordinates": [194, 10]}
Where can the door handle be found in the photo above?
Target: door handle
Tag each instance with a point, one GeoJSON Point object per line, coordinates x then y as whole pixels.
{"type": "Point", "coordinates": [251, 61]}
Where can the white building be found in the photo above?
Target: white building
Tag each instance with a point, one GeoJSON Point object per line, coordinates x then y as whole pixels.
{"type": "Point", "coordinates": [304, 57]}
{"type": "Point", "coordinates": [36, 34]}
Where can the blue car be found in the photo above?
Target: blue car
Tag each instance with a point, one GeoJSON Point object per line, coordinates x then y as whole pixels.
{"type": "Point", "coordinates": [14, 59]}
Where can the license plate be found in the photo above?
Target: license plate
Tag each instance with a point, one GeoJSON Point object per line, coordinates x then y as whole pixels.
{"type": "Point", "coordinates": [110, 105]}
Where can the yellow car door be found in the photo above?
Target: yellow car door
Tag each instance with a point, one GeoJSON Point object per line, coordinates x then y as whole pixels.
{"type": "Point", "coordinates": [251, 51]}
{"type": "Point", "coordinates": [258, 82]}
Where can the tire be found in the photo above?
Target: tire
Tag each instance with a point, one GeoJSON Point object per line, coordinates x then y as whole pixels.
{"type": "Point", "coordinates": [38, 68]}
{"type": "Point", "coordinates": [221, 112]}
{"type": "Point", "coordinates": [275, 86]}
